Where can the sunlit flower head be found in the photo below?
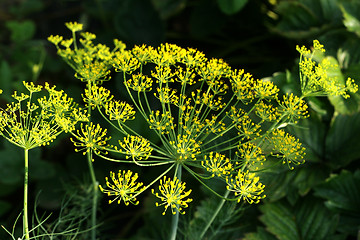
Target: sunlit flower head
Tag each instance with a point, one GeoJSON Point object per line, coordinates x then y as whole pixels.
{"type": "Point", "coordinates": [136, 147]}
{"type": "Point", "coordinates": [246, 187]}
{"type": "Point", "coordinates": [217, 164]}
{"type": "Point", "coordinates": [97, 96]}
{"type": "Point", "coordinates": [287, 147]}
{"type": "Point", "coordinates": [250, 155]}
{"type": "Point", "coordinates": [186, 148]}
{"type": "Point", "coordinates": [91, 137]}
{"type": "Point", "coordinates": [74, 26]}
{"type": "Point", "coordinates": [123, 187]}
{"type": "Point", "coordinates": [172, 194]}
{"type": "Point", "coordinates": [293, 108]}
{"type": "Point", "coordinates": [119, 111]}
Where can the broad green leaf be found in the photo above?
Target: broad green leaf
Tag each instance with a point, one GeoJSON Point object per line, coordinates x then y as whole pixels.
{"type": "Point", "coordinates": [342, 194]}
{"type": "Point", "coordinates": [230, 7]}
{"type": "Point", "coordinates": [279, 220]}
{"type": "Point", "coordinates": [306, 18]}
{"type": "Point", "coordinates": [309, 219]}
{"type": "Point", "coordinates": [342, 141]}
{"type": "Point", "coordinates": [260, 234]}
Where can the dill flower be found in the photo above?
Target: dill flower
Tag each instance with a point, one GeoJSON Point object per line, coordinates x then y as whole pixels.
{"type": "Point", "coordinates": [162, 122]}
{"type": "Point", "coordinates": [247, 128]}
{"type": "Point", "coordinates": [185, 148]}
{"type": "Point", "coordinates": [217, 164]}
{"type": "Point", "coordinates": [96, 96]}
{"type": "Point", "coordinates": [314, 77]}
{"type": "Point", "coordinates": [91, 137]}
{"type": "Point", "coordinates": [167, 95]}
{"type": "Point", "coordinates": [293, 108]}
{"type": "Point", "coordinates": [136, 147]}
{"type": "Point", "coordinates": [28, 124]}
{"type": "Point", "coordinates": [246, 186]}
{"type": "Point", "coordinates": [123, 186]}
{"type": "Point", "coordinates": [250, 155]}
{"type": "Point", "coordinates": [242, 85]}
{"type": "Point", "coordinates": [200, 110]}
{"type": "Point", "coordinates": [124, 61]}
{"type": "Point", "coordinates": [119, 111]}
{"type": "Point", "coordinates": [172, 194]}
{"type": "Point", "coordinates": [267, 112]}
{"type": "Point", "coordinates": [287, 147]}
{"type": "Point", "coordinates": [139, 83]}
{"type": "Point", "coordinates": [74, 26]}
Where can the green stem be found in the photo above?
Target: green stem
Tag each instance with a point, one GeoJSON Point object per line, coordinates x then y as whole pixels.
{"type": "Point", "coordinates": [221, 204]}
{"type": "Point", "coordinates": [95, 185]}
{"type": "Point", "coordinates": [26, 181]}
{"type": "Point", "coordinates": [175, 218]}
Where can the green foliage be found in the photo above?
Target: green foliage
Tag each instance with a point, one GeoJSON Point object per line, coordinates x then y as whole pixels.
{"type": "Point", "coordinates": [231, 6]}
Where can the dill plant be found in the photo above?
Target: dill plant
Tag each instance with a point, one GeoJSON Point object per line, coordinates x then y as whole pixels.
{"type": "Point", "coordinates": [33, 120]}
{"type": "Point", "coordinates": [212, 121]}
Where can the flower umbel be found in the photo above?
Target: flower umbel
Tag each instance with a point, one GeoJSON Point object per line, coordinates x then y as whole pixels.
{"type": "Point", "coordinates": [246, 186]}
{"type": "Point", "coordinates": [217, 164]}
{"type": "Point", "coordinates": [124, 187]}
{"type": "Point", "coordinates": [173, 194]}
{"type": "Point", "coordinates": [91, 138]}
{"type": "Point", "coordinates": [287, 147]}
{"type": "Point", "coordinates": [136, 147]}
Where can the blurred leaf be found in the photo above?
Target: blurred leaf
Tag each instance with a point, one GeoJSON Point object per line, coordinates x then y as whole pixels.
{"type": "Point", "coordinates": [6, 79]}
{"type": "Point", "coordinates": [21, 31]}
{"type": "Point", "coordinates": [260, 234]}
{"type": "Point", "coordinates": [137, 22]}
{"type": "Point", "coordinates": [307, 220]}
{"type": "Point", "coordinates": [11, 167]}
{"type": "Point", "coordinates": [351, 23]}
{"type": "Point", "coordinates": [342, 142]}
{"type": "Point", "coordinates": [168, 8]}
{"type": "Point", "coordinates": [342, 192]}
{"type": "Point", "coordinates": [306, 18]}
{"type": "Point", "coordinates": [27, 7]}
{"type": "Point", "coordinates": [230, 7]}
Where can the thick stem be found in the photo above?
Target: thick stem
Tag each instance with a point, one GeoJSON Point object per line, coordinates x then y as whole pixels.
{"type": "Point", "coordinates": [175, 218]}
{"type": "Point", "coordinates": [95, 183]}
{"type": "Point", "coordinates": [216, 212]}
{"type": "Point", "coordinates": [95, 186]}
{"type": "Point", "coordinates": [26, 182]}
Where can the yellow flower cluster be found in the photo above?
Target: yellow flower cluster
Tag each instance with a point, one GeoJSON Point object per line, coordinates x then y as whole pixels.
{"type": "Point", "coordinates": [173, 194]}
{"type": "Point", "coordinates": [91, 138]}
{"type": "Point", "coordinates": [124, 187]}
{"type": "Point", "coordinates": [199, 110]}
{"type": "Point", "coordinates": [28, 124]}
{"type": "Point", "coordinates": [287, 147]}
{"type": "Point", "coordinates": [315, 78]}
{"type": "Point", "coordinates": [217, 164]}
{"type": "Point", "coordinates": [246, 186]}
{"type": "Point", "coordinates": [136, 147]}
